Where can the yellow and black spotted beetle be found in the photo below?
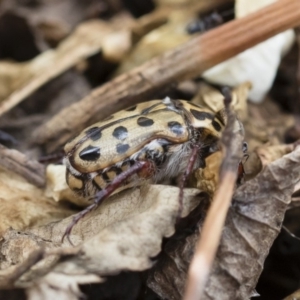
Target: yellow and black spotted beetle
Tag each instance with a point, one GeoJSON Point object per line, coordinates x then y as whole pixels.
{"type": "Point", "coordinates": [156, 140]}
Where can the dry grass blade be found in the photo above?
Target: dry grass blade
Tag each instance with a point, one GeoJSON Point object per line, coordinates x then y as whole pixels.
{"type": "Point", "coordinates": [210, 237]}
{"type": "Point", "coordinates": [186, 61]}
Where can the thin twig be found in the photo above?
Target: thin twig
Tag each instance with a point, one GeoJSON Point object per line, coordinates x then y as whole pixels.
{"type": "Point", "coordinates": [211, 232]}
{"type": "Point", "coordinates": [186, 61]}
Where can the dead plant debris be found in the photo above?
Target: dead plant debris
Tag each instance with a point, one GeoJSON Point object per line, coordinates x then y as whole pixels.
{"type": "Point", "coordinates": [65, 65]}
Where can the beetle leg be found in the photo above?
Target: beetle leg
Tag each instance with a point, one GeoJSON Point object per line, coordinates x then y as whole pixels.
{"type": "Point", "coordinates": [185, 175]}
{"type": "Point", "coordinates": [241, 170]}
{"type": "Point", "coordinates": [103, 194]}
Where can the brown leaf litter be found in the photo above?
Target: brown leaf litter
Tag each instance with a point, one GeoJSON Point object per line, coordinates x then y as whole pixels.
{"type": "Point", "coordinates": [136, 230]}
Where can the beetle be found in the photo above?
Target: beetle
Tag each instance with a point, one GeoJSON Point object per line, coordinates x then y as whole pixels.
{"type": "Point", "coordinates": [154, 140]}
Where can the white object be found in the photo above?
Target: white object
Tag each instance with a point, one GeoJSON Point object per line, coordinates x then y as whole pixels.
{"type": "Point", "coordinates": [258, 64]}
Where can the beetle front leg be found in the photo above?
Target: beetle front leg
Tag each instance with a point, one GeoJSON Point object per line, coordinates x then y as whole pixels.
{"type": "Point", "coordinates": [103, 194]}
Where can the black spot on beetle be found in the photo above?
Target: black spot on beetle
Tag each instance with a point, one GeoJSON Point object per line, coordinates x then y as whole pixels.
{"type": "Point", "coordinates": [144, 122]}
{"type": "Point", "coordinates": [131, 108]}
{"type": "Point", "coordinates": [122, 148]}
{"type": "Point", "coordinates": [105, 177]}
{"type": "Point", "coordinates": [117, 170]}
{"type": "Point", "coordinates": [201, 115]}
{"type": "Point", "coordinates": [90, 153]}
{"type": "Point", "coordinates": [176, 127]}
{"type": "Point", "coordinates": [96, 185]}
{"type": "Point", "coordinates": [120, 133]}
{"type": "Point", "coordinates": [216, 125]}
{"type": "Point", "coordinates": [94, 133]}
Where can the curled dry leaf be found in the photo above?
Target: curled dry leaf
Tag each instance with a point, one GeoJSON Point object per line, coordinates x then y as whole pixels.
{"type": "Point", "coordinates": [253, 222]}
{"type": "Point", "coordinates": [57, 188]}
{"type": "Point", "coordinates": [261, 156]}
{"type": "Point", "coordinates": [207, 179]}
{"type": "Point", "coordinates": [268, 154]}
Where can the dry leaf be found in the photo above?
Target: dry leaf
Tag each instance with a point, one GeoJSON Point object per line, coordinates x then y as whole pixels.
{"type": "Point", "coordinates": [263, 155]}
{"type": "Point", "coordinates": [57, 188]}
{"type": "Point", "coordinates": [129, 230]}
{"type": "Point", "coordinates": [23, 205]}
{"type": "Point", "coordinates": [268, 154]}
{"type": "Point", "coordinates": [253, 222]}
{"type": "Point", "coordinates": [165, 37]}
{"type": "Point", "coordinates": [261, 126]}
{"type": "Point", "coordinates": [207, 179]}
{"type": "Point", "coordinates": [122, 234]}
{"type": "Point", "coordinates": [60, 286]}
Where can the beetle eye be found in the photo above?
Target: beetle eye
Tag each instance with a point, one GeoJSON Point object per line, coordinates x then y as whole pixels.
{"type": "Point", "coordinates": [90, 153]}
